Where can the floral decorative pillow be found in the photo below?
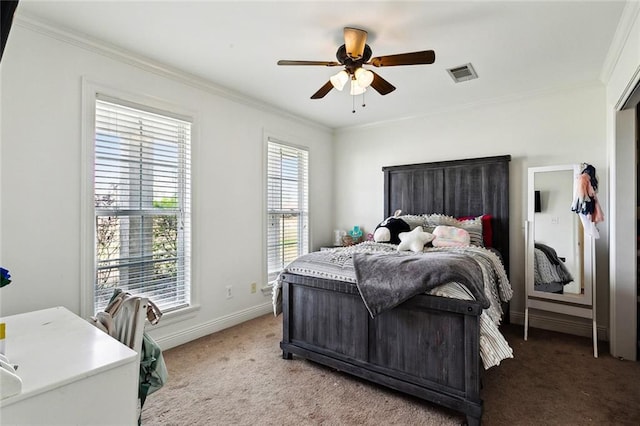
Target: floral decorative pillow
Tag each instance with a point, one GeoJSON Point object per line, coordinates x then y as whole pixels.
{"type": "Point", "coordinates": [487, 230]}
{"type": "Point", "coordinates": [450, 236]}
{"type": "Point", "coordinates": [472, 226]}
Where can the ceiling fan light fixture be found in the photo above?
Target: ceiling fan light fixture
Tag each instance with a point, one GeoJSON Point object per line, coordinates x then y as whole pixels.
{"type": "Point", "coordinates": [339, 80]}
{"type": "Point", "coordinates": [364, 77]}
{"type": "Point", "coordinates": [352, 55]}
{"type": "Point", "coordinates": [356, 89]}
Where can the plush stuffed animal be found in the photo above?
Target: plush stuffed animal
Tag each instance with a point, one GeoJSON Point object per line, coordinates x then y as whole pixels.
{"type": "Point", "coordinates": [388, 230]}
{"type": "Point", "coordinates": [415, 240]}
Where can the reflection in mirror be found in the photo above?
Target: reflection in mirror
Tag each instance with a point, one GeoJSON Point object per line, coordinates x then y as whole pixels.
{"type": "Point", "coordinates": [560, 255]}
{"type": "Point", "coordinates": [558, 236]}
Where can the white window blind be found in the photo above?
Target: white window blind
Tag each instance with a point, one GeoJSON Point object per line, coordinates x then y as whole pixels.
{"type": "Point", "coordinates": [142, 204]}
{"type": "Point", "coordinates": [287, 205]}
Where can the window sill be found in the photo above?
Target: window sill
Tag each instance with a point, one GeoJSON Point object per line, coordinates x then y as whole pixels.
{"type": "Point", "coordinates": [267, 290]}
{"type": "Point", "coordinates": [175, 316]}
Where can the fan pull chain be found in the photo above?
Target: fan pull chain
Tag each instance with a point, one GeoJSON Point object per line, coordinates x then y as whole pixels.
{"type": "Point", "coordinates": [353, 101]}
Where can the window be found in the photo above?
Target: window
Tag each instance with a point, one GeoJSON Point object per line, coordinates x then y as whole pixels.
{"type": "Point", "coordinates": [141, 204]}
{"type": "Point", "coordinates": [287, 205]}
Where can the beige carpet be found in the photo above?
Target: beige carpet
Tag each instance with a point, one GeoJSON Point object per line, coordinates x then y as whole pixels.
{"type": "Point", "coordinates": [238, 377]}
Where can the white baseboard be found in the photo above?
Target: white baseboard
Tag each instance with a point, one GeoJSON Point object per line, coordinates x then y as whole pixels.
{"type": "Point", "coordinates": [568, 326]}
{"type": "Point", "coordinates": [535, 320]}
{"type": "Point", "coordinates": [183, 336]}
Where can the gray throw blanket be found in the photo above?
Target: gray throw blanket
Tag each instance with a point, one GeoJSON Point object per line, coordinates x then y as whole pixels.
{"type": "Point", "coordinates": [387, 279]}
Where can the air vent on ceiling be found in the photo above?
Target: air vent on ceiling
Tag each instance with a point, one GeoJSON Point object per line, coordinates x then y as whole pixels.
{"type": "Point", "coordinates": [462, 73]}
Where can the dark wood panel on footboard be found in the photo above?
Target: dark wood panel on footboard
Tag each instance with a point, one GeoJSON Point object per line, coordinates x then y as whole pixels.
{"type": "Point", "coordinates": [426, 347]}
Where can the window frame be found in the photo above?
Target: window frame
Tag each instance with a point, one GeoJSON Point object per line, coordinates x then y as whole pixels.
{"type": "Point", "coordinates": [270, 138]}
{"type": "Point", "coordinates": [88, 260]}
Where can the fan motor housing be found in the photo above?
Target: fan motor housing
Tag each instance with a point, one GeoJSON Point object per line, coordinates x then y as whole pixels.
{"type": "Point", "coordinates": [350, 63]}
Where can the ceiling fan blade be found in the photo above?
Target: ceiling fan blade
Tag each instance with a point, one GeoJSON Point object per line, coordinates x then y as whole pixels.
{"type": "Point", "coordinates": [323, 91]}
{"type": "Point", "coordinates": [413, 58]}
{"type": "Point", "coordinates": [355, 40]}
{"type": "Point", "coordinates": [381, 85]}
{"type": "Point", "coordinates": [323, 63]}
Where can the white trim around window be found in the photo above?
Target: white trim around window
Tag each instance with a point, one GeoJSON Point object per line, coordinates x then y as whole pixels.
{"type": "Point", "coordinates": [286, 211]}
{"type": "Point", "coordinates": [92, 95]}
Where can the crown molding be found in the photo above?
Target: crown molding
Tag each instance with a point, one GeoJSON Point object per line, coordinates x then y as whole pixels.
{"type": "Point", "coordinates": [119, 54]}
{"type": "Point", "coordinates": [514, 97]}
{"type": "Point", "coordinates": [623, 31]}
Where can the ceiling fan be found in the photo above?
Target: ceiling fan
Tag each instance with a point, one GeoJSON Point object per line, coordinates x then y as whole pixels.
{"type": "Point", "coordinates": [353, 54]}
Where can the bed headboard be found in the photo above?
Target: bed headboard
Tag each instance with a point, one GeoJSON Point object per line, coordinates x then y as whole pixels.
{"type": "Point", "coordinates": [470, 187]}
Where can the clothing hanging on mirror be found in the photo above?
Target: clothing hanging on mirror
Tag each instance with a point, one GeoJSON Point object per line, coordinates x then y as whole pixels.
{"type": "Point", "coordinates": [585, 202]}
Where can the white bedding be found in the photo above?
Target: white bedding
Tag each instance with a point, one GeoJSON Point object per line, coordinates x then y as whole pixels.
{"type": "Point", "coordinates": [337, 264]}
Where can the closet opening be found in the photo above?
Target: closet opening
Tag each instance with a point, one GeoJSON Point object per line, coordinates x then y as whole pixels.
{"type": "Point", "coordinates": [624, 314]}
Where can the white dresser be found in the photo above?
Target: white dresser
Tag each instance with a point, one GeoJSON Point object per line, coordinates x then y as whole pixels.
{"type": "Point", "coordinates": [72, 373]}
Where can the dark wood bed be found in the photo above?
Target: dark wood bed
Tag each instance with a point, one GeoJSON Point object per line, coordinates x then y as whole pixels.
{"type": "Point", "coordinates": [428, 346]}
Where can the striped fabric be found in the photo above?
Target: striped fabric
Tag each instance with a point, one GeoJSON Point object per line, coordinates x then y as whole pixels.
{"type": "Point", "coordinates": [337, 264]}
{"type": "Point", "coordinates": [493, 346]}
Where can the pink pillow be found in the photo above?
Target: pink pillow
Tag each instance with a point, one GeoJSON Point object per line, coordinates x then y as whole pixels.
{"type": "Point", "coordinates": [487, 231]}
{"type": "Point", "coordinates": [450, 236]}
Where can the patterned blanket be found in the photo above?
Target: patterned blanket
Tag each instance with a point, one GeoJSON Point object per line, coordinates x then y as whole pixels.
{"type": "Point", "coordinates": [549, 272]}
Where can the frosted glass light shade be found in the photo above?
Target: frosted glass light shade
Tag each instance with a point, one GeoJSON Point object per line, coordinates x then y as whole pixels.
{"type": "Point", "coordinates": [355, 40]}
{"type": "Point", "coordinates": [339, 80]}
{"type": "Point", "coordinates": [356, 89]}
{"type": "Point", "coordinates": [363, 77]}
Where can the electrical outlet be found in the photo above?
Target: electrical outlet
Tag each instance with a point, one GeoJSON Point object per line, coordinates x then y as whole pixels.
{"type": "Point", "coordinates": [229, 293]}
{"type": "Point", "coordinates": [253, 287]}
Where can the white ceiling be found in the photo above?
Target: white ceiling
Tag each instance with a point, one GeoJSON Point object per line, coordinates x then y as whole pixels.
{"type": "Point", "coordinates": [516, 47]}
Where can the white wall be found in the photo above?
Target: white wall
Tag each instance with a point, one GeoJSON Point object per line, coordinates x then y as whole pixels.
{"type": "Point", "coordinates": [41, 178]}
{"type": "Point", "coordinates": [560, 127]}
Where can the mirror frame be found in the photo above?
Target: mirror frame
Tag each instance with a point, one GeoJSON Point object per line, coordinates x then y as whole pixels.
{"type": "Point", "coordinates": [588, 264]}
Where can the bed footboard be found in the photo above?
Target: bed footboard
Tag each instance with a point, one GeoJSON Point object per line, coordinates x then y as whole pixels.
{"type": "Point", "coordinates": [427, 347]}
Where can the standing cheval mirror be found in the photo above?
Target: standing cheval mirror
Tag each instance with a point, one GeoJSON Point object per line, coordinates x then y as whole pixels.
{"type": "Point", "coordinates": [560, 262]}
